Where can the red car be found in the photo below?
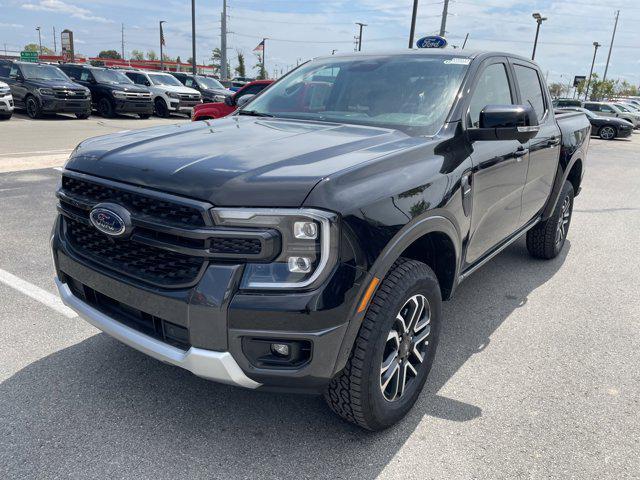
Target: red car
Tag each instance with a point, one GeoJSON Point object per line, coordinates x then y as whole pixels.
{"type": "Point", "coordinates": [208, 111]}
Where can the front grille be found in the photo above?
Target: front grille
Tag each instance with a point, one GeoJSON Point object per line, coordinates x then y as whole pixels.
{"type": "Point", "coordinates": [163, 211]}
{"type": "Point", "coordinates": [238, 246]}
{"type": "Point", "coordinates": [189, 97]}
{"type": "Point", "coordinates": [146, 263]}
{"type": "Point", "coordinates": [71, 94]}
{"type": "Point", "coordinates": [137, 96]}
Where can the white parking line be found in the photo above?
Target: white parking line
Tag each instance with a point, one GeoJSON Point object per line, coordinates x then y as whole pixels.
{"type": "Point", "coordinates": [42, 296]}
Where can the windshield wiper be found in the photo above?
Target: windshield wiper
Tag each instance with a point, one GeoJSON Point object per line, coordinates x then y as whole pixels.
{"type": "Point", "coordinates": [254, 113]}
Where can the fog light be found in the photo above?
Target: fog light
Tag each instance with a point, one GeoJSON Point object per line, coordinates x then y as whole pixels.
{"type": "Point", "coordinates": [305, 230]}
{"type": "Point", "coordinates": [280, 349]}
{"type": "Point", "coordinates": [299, 264]}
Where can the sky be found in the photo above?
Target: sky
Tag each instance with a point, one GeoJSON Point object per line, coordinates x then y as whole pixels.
{"type": "Point", "coordinates": [298, 30]}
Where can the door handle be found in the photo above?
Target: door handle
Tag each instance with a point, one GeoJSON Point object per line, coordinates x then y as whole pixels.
{"type": "Point", "coordinates": [554, 142]}
{"type": "Point", "coordinates": [520, 152]}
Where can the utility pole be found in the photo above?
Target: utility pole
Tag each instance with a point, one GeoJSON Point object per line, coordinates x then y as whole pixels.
{"type": "Point", "coordinates": [412, 32]}
{"type": "Point", "coordinates": [39, 40]}
{"type": "Point", "coordinates": [360, 35]}
{"type": "Point", "coordinates": [613, 37]}
{"type": "Point", "coordinates": [161, 45]}
{"type": "Point", "coordinates": [193, 37]}
{"type": "Point", "coordinates": [596, 45]}
{"type": "Point", "coordinates": [122, 38]}
{"type": "Point", "coordinates": [464, 44]}
{"type": "Point", "coordinates": [55, 45]}
{"type": "Point", "coordinates": [539, 19]}
{"type": "Point", "coordinates": [443, 22]}
{"type": "Point", "coordinates": [223, 42]}
{"type": "Point", "coordinates": [264, 56]}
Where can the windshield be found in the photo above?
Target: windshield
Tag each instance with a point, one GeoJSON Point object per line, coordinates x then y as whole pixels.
{"type": "Point", "coordinates": [43, 72]}
{"type": "Point", "coordinates": [110, 76]}
{"type": "Point", "coordinates": [164, 79]}
{"type": "Point", "coordinates": [412, 93]}
{"type": "Point", "coordinates": [209, 83]}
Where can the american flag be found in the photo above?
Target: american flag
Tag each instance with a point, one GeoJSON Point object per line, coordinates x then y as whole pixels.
{"type": "Point", "coordinates": [162, 37]}
{"type": "Point", "coordinates": [260, 47]}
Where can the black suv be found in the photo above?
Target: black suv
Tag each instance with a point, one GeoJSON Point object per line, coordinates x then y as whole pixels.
{"type": "Point", "coordinates": [41, 88]}
{"type": "Point", "coordinates": [210, 88]}
{"type": "Point", "coordinates": [111, 91]}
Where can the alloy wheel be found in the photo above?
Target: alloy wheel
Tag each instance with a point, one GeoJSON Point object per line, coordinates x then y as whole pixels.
{"type": "Point", "coordinates": [607, 133]}
{"type": "Point", "coordinates": [405, 348]}
{"type": "Point", "coordinates": [563, 221]}
{"type": "Point", "coordinates": [32, 108]}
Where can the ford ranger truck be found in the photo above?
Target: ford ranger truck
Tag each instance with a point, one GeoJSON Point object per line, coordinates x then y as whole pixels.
{"type": "Point", "coordinates": [308, 245]}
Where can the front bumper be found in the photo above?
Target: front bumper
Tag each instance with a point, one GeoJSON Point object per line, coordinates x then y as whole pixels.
{"type": "Point", "coordinates": [6, 104]}
{"type": "Point", "coordinates": [134, 106]}
{"type": "Point", "coordinates": [221, 322]}
{"type": "Point", "coordinates": [57, 105]}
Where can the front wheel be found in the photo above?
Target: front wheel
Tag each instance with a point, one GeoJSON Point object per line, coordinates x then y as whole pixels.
{"type": "Point", "coordinates": [144, 116]}
{"type": "Point", "coordinates": [33, 108]}
{"type": "Point", "coordinates": [83, 116]}
{"type": "Point", "coordinates": [161, 108]}
{"type": "Point", "coordinates": [5, 116]}
{"type": "Point", "coordinates": [608, 132]}
{"type": "Point", "coordinates": [547, 238]}
{"type": "Point", "coordinates": [394, 350]}
{"type": "Point", "coordinates": [105, 108]}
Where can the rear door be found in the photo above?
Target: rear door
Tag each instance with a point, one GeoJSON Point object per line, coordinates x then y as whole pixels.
{"type": "Point", "coordinates": [544, 148]}
{"type": "Point", "coordinates": [499, 166]}
{"type": "Point", "coordinates": [19, 88]}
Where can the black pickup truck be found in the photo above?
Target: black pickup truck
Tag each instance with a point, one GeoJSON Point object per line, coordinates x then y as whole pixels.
{"type": "Point", "coordinates": [307, 242]}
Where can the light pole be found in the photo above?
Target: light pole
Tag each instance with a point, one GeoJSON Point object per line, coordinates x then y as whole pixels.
{"type": "Point", "coordinates": [360, 35]}
{"type": "Point", "coordinates": [596, 45]}
{"type": "Point", "coordinates": [39, 40]}
{"type": "Point", "coordinates": [193, 37]}
{"type": "Point", "coordinates": [539, 19]}
{"type": "Point", "coordinates": [412, 32]}
{"type": "Point", "coordinates": [161, 45]}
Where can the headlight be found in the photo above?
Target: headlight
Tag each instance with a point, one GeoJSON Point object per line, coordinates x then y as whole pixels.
{"type": "Point", "coordinates": [46, 91]}
{"type": "Point", "coordinates": [172, 94]}
{"type": "Point", "coordinates": [4, 91]}
{"type": "Point", "coordinates": [119, 94]}
{"type": "Point", "coordinates": [219, 98]}
{"type": "Point", "coordinates": [309, 245]}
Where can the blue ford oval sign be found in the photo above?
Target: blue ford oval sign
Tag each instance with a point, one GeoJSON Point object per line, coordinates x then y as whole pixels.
{"type": "Point", "coordinates": [110, 220]}
{"type": "Point", "coordinates": [432, 41]}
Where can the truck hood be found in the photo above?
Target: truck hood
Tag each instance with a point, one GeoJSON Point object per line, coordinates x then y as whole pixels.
{"type": "Point", "coordinates": [177, 89]}
{"type": "Point", "coordinates": [56, 84]}
{"type": "Point", "coordinates": [237, 161]}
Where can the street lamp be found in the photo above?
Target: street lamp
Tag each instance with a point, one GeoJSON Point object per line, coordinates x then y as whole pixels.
{"type": "Point", "coordinates": [539, 19]}
{"type": "Point", "coordinates": [161, 45]}
{"type": "Point", "coordinates": [596, 45]}
{"type": "Point", "coordinates": [360, 36]}
{"type": "Point", "coordinates": [39, 40]}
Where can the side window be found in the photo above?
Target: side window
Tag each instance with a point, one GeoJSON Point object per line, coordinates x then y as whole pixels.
{"type": "Point", "coordinates": [530, 89]}
{"type": "Point", "coordinates": [137, 78]}
{"type": "Point", "coordinates": [607, 109]}
{"type": "Point", "coordinates": [5, 68]}
{"type": "Point", "coordinates": [14, 71]}
{"type": "Point", "coordinates": [252, 90]}
{"type": "Point", "coordinates": [492, 89]}
{"type": "Point", "coordinates": [85, 75]}
{"type": "Point", "coordinates": [188, 82]}
{"type": "Point", "coordinates": [594, 107]}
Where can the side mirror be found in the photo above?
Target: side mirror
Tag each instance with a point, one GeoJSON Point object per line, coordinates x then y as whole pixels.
{"type": "Point", "coordinates": [506, 122]}
{"type": "Point", "coordinates": [243, 100]}
{"type": "Point", "coordinates": [229, 101]}
{"type": "Point", "coordinates": [147, 83]}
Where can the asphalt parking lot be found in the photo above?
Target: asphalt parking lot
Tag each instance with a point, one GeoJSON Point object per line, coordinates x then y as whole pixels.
{"type": "Point", "coordinates": [537, 373]}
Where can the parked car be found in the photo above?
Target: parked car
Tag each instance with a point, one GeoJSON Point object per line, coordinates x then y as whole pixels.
{"type": "Point", "coordinates": [311, 250]}
{"type": "Point", "coordinates": [40, 88]}
{"type": "Point", "coordinates": [607, 109]}
{"type": "Point", "coordinates": [6, 102]}
{"type": "Point", "coordinates": [169, 95]}
{"type": "Point", "coordinates": [112, 92]}
{"type": "Point", "coordinates": [210, 88]}
{"type": "Point", "coordinates": [567, 102]}
{"type": "Point", "coordinates": [209, 111]}
{"type": "Point", "coordinates": [606, 128]}
{"type": "Point", "coordinates": [236, 83]}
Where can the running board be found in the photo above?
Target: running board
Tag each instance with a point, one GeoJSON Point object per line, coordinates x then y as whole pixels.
{"type": "Point", "coordinates": [464, 275]}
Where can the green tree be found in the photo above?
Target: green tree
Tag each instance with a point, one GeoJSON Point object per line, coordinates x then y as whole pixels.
{"type": "Point", "coordinates": [240, 70]}
{"type": "Point", "coordinates": [109, 54]}
{"type": "Point", "coordinates": [34, 47]}
{"type": "Point", "coordinates": [151, 55]}
{"type": "Point", "coordinates": [167, 58]}
{"type": "Point", "coordinates": [556, 89]}
{"type": "Point", "coordinates": [178, 60]}
{"type": "Point", "coordinates": [137, 55]}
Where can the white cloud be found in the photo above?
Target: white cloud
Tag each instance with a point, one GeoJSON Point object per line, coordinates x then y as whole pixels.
{"type": "Point", "coordinates": [58, 6]}
{"type": "Point", "coordinates": [11, 25]}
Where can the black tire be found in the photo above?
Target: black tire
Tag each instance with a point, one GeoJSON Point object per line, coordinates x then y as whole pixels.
{"type": "Point", "coordinates": [5, 116]}
{"type": "Point", "coordinates": [105, 108]}
{"type": "Point", "coordinates": [144, 116]}
{"type": "Point", "coordinates": [607, 132]}
{"type": "Point", "coordinates": [160, 108]}
{"type": "Point", "coordinates": [357, 393]}
{"type": "Point", "coordinates": [546, 239]}
{"type": "Point", "coordinates": [83, 116]}
{"type": "Point", "coordinates": [33, 107]}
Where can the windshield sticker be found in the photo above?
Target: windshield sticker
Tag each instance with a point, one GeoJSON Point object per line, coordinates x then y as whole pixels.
{"type": "Point", "coordinates": [458, 61]}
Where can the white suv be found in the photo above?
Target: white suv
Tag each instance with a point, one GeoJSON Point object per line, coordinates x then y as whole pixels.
{"type": "Point", "coordinates": [6, 102]}
{"type": "Point", "coordinates": [169, 95]}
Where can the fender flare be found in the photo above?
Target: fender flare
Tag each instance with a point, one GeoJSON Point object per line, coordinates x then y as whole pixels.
{"type": "Point", "coordinates": [434, 222]}
{"type": "Point", "coordinates": [561, 176]}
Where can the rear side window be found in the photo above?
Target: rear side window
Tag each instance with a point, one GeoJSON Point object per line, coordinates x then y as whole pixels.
{"type": "Point", "coordinates": [530, 89]}
{"type": "Point", "coordinates": [492, 89]}
{"type": "Point", "coordinates": [5, 68]}
{"type": "Point", "coordinates": [85, 75]}
{"type": "Point", "coordinates": [137, 78]}
{"type": "Point", "coordinates": [594, 107]}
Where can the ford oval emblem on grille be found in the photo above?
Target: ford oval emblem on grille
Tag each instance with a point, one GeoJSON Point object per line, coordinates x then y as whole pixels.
{"type": "Point", "coordinates": [111, 219]}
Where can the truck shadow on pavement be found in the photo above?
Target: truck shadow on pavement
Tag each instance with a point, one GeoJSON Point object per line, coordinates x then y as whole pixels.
{"type": "Point", "coordinates": [99, 409]}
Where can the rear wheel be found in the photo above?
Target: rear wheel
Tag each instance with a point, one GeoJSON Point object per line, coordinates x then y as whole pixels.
{"type": "Point", "coordinates": [608, 132]}
{"type": "Point", "coordinates": [105, 108]}
{"type": "Point", "coordinates": [161, 108]}
{"type": "Point", "coordinates": [394, 350]}
{"type": "Point", "coordinates": [33, 108]}
{"type": "Point", "coordinates": [546, 239]}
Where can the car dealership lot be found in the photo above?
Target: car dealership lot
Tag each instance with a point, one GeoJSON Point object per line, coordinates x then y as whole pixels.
{"type": "Point", "coordinates": [536, 376]}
